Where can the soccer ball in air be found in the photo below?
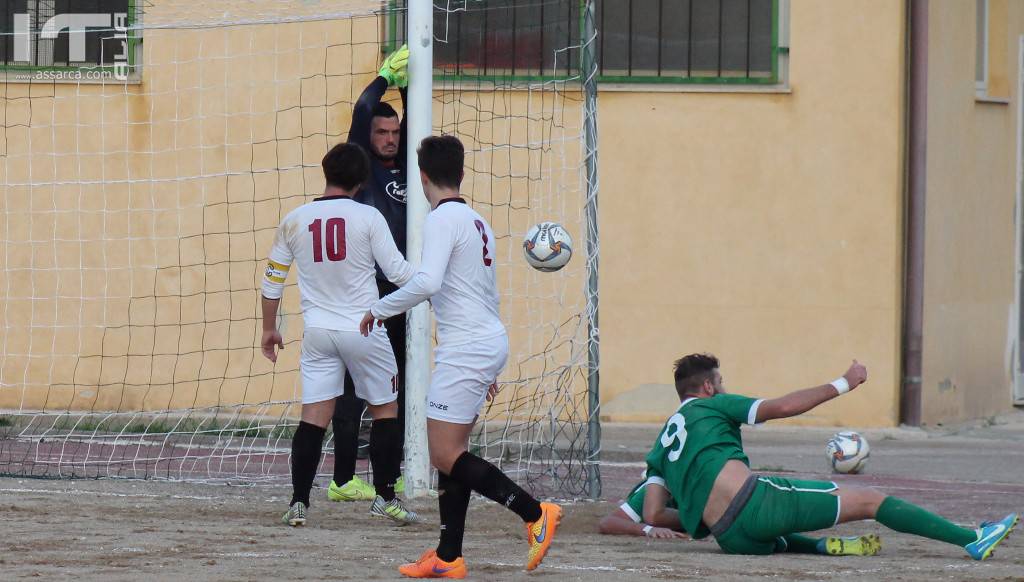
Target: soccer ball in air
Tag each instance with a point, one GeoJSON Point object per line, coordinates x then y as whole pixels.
{"type": "Point", "coordinates": [547, 246]}
{"type": "Point", "coordinates": [847, 452]}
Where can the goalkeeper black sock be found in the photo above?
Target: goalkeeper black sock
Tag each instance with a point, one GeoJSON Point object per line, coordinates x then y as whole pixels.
{"type": "Point", "coordinates": [307, 445]}
{"type": "Point", "coordinates": [489, 481]}
{"type": "Point", "coordinates": [347, 414]}
{"type": "Point", "coordinates": [386, 455]}
{"type": "Point", "coordinates": [452, 501]}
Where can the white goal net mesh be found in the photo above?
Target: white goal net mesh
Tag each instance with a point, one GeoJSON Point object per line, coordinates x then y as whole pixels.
{"type": "Point", "coordinates": [143, 177]}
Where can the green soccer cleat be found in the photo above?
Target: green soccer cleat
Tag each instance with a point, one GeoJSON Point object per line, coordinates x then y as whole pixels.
{"type": "Point", "coordinates": [989, 536]}
{"type": "Point", "coordinates": [354, 490]}
{"type": "Point", "coordinates": [867, 545]}
{"type": "Point", "coordinates": [400, 485]}
{"type": "Point", "coordinates": [295, 516]}
{"type": "Point", "coordinates": [394, 510]}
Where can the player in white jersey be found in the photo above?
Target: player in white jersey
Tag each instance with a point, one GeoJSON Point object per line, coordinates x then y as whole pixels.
{"type": "Point", "coordinates": [457, 274]}
{"type": "Point", "coordinates": [335, 241]}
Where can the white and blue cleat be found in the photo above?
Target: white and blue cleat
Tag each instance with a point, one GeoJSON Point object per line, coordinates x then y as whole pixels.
{"type": "Point", "coordinates": [989, 535]}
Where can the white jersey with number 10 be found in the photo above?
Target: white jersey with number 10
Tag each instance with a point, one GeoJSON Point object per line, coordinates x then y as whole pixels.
{"type": "Point", "coordinates": [458, 275]}
{"type": "Point", "coordinates": [334, 241]}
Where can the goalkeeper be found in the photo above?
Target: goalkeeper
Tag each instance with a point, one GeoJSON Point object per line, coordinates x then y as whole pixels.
{"type": "Point", "coordinates": [376, 127]}
{"type": "Point", "coordinates": [700, 458]}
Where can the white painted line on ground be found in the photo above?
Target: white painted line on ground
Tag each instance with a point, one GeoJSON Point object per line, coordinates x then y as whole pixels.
{"type": "Point", "coordinates": [647, 570]}
{"type": "Point", "coordinates": [108, 494]}
{"type": "Point", "coordinates": [627, 464]}
{"type": "Point", "coordinates": [251, 555]}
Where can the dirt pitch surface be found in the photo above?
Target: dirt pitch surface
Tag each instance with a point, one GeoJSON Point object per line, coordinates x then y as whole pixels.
{"type": "Point", "coordinates": [146, 530]}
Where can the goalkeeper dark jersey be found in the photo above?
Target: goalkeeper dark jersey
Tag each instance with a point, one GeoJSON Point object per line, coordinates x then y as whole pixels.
{"type": "Point", "coordinates": [385, 190]}
{"type": "Point", "coordinates": [693, 447]}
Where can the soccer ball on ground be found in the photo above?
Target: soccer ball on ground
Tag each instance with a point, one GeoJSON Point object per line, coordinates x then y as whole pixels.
{"type": "Point", "coordinates": [547, 246]}
{"type": "Point", "coordinates": [847, 452]}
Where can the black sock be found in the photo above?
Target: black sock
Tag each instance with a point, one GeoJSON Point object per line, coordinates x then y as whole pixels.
{"type": "Point", "coordinates": [385, 455]}
{"type": "Point", "coordinates": [453, 501]}
{"type": "Point", "coordinates": [346, 444]}
{"type": "Point", "coordinates": [489, 481]}
{"type": "Point", "coordinates": [307, 445]}
{"type": "Point", "coordinates": [348, 411]}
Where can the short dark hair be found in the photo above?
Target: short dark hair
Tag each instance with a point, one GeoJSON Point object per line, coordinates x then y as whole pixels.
{"type": "Point", "coordinates": [692, 371]}
{"type": "Point", "coordinates": [346, 166]}
{"type": "Point", "coordinates": [384, 109]}
{"type": "Point", "coordinates": [441, 158]}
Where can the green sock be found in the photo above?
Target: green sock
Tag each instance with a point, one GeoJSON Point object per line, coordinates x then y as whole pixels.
{"type": "Point", "coordinates": [799, 544]}
{"type": "Point", "coordinates": [894, 513]}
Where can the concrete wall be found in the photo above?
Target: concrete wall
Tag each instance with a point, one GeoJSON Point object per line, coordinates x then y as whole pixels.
{"type": "Point", "coordinates": [970, 313]}
{"type": "Point", "coordinates": [765, 228]}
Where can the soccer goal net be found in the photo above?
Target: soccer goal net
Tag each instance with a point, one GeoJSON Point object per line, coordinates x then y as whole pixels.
{"type": "Point", "coordinates": [149, 151]}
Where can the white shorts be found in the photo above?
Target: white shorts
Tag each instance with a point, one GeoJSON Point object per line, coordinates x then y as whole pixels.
{"type": "Point", "coordinates": [462, 375]}
{"type": "Point", "coordinates": [326, 354]}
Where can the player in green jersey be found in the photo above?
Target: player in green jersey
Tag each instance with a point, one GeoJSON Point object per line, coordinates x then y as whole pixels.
{"type": "Point", "coordinates": [699, 455]}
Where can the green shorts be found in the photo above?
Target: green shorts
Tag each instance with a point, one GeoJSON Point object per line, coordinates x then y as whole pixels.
{"type": "Point", "coordinates": [779, 507]}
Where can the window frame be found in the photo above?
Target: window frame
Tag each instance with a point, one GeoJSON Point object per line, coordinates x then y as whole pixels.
{"type": "Point", "coordinates": [27, 73]}
{"type": "Point", "coordinates": [981, 44]}
{"type": "Point", "coordinates": [778, 54]}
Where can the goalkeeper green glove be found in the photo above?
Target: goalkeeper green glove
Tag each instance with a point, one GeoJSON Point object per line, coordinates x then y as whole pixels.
{"type": "Point", "coordinates": [395, 70]}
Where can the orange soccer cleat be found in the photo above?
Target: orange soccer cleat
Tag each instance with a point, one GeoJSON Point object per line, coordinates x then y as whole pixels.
{"type": "Point", "coordinates": [540, 533]}
{"type": "Point", "coordinates": [430, 566]}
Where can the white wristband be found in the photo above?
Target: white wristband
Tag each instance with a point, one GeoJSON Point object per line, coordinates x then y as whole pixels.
{"type": "Point", "coordinates": [647, 529]}
{"type": "Point", "coordinates": [841, 385]}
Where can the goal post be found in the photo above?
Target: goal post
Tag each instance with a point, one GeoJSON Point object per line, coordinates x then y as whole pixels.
{"type": "Point", "coordinates": [418, 320]}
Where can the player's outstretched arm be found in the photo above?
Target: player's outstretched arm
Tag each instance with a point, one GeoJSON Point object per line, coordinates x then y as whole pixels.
{"type": "Point", "coordinates": [386, 254]}
{"type": "Point", "coordinates": [618, 523]}
{"type": "Point", "coordinates": [799, 402]}
{"type": "Point", "coordinates": [362, 113]}
{"type": "Point", "coordinates": [438, 242]}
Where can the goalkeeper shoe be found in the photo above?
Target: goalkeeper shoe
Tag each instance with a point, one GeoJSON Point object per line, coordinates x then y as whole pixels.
{"type": "Point", "coordinates": [355, 490]}
{"type": "Point", "coordinates": [867, 545]}
{"type": "Point", "coordinates": [989, 536]}
{"type": "Point", "coordinates": [395, 68]}
{"type": "Point", "coordinates": [394, 510]}
{"type": "Point", "coordinates": [540, 533]}
{"type": "Point", "coordinates": [430, 566]}
{"type": "Point", "coordinates": [295, 516]}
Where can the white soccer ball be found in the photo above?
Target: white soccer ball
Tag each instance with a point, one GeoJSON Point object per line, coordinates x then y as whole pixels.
{"type": "Point", "coordinates": [547, 246]}
{"type": "Point", "coordinates": [847, 452]}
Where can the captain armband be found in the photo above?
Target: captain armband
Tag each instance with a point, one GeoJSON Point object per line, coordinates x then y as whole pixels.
{"type": "Point", "coordinates": [273, 279]}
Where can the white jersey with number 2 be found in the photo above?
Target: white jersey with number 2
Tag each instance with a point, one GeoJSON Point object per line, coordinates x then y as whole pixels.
{"type": "Point", "coordinates": [334, 241]}
{"type": "Point", "coordinates": [457, 274]}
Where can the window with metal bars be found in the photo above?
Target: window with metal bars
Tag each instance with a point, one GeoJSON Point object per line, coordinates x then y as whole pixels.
{"type": "Point", "coordinates": [639, 41]}
{"type": "Point", "coordinates": [42, 34]}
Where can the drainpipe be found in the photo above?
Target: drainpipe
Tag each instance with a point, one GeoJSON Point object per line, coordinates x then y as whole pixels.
{"type": "Point", "coordinates": [913, 302]}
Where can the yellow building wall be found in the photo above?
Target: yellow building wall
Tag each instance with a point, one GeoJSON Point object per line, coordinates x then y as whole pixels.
{"type": "Point", "coordinates": [765, 228]}
{"type": "Point", "coordinates": [137, 219]}
{"type": "Point", "coordinates": [969, 309]}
